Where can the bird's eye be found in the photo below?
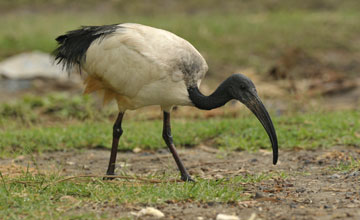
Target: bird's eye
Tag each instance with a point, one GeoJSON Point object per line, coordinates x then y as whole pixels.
{"type": "Point", "coordinates": [242, 87]}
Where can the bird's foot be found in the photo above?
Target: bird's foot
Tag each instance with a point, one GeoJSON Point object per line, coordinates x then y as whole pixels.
{"type": "Point", "coordinates": [187, 178]}
{"type": "Point", "coordinates": [108, 176]}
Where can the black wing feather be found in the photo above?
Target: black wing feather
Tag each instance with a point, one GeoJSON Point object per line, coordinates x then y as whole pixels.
{"type": "Point", "coordinates": [73, 45]}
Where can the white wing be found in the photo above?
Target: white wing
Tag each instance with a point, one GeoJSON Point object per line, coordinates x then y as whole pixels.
{"type": "Point", "coordinates": [136, 55]}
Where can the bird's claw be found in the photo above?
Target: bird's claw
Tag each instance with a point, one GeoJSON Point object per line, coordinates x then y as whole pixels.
{"type": "Point", "coordinates": [109, 176]}
{"type": "Point", "coordinates": [187, 178]}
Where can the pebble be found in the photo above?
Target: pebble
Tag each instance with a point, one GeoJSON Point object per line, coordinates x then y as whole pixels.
{"type": "Point", "coordinates": [70, 163]}
{"type": "Point", "coordinates": [67, 198]}
{"type": "Point", "coordinates": [211, 203]}
{"type": "Point", "coordinates": [218, 176]}
{"type": "Point", "coordinates": [137, 150]}
{"type": "Point", "coordinates": [252, 216]}
{"type": "Point", "coordinates": [327, 207]}
{"type": "Point", "coordinates": [348, 195]}
{"type": "Point", "coordinates": [335, 176]}
{"type": "Point", "coordinates": [254, 160]}
{"type": "Point", "coordinates": [19, 158]}
{"type": "Point", "coordinates": [353, 174]}
{"type": "Point", "coordinates": [226, 217]}
{"type": "Point", "coordinates": [307, 201]}
{"type": "Point", "coordinates": [258, 195]}
{"type": "Point", "coordinates": [307, 162]}
{"type": "Point", "coordinates": [149, 211]}
{"type": "Point", "coordinates": [162, 151]}
{"type": "Point", "coordinates": [293, 205]}
{"type": "Point", "coordinates": [300, 190]}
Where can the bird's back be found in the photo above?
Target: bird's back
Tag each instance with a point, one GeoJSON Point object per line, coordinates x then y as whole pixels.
{"type": "Point", "coordinates": [128, 60]}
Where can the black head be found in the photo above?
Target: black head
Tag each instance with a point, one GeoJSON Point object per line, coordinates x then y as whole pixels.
{"type": "Point", "coordinates": [243, 89]}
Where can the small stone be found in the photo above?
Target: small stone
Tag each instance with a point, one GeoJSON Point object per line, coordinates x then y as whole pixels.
{"type": "Point", "coordinates": [307, 162]}
{"type": "Point", "coordinates": [162, 151]}
{"type": "Point", "coordinates": [327, 207]}
{"type": "Point", "coordinates": [351, 205]}
{"type": "Point", "coordinates": [320, 162]}
{"type": "Point", "coordinates": [226, 217]}
{"type": "Point", "coordinates": [335, 176]}
{"type": "Point", "coordinates": [293, 205]}
{"type": "Point", "coordinates": [150, 211]}
{"type": "Point", "coordinates": [348, 195]}
{"type": "Point", "coordinates": [145, 154]}
{"type": "Point", "coordinates": [68, 199]}
{"type": "Point", "coordinates": [254, 160]}
{"type": "Point", "coordinates": [218, 176]}
{"type": "Point", "coordinates": [123, 164]}
{"type": "Point", "coordinates": [353, 174]}
{"type": "Point", "coordinates": [137, 150]}
{"type": "Point", "coordinates": [307, 201]}
{"type": "Point", "coordinates": [211, 203]}
{"type": "Point", "coordinates": [70, 163]}
{"type": "Point", "coordinates": [19, 158]}
{"type": "Point", "coordinates": [300, 190]}
{"type": "Point", "coordinates": [258, 195]}
{"type": "Point", "coordinates": [200, 218]}
{"type": "Point", "coordinates": [252, 216]}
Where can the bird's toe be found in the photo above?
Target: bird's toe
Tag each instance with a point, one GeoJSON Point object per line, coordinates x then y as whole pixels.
{"type": "Point", "coordinates": [187, 178]}
{"type": "Point", "coordinates": [109, 176]}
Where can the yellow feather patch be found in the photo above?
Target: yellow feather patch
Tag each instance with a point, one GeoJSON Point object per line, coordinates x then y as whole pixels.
{"type": "Point", "coordinates": [109, 95]}
{"type": "Point", "coordinates": [95, 84]}
{"type": "Point", "coordinates": [92, 84]}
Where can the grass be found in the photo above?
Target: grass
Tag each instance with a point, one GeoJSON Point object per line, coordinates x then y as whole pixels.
{"type": "Point", "coordinates": [47, 197]}
{"type": "Point", "coordinates": [346, 166]}
{"type": "Point", "coordinates": [25, 128]}
{"type": "Point", "coordinates": [63, 122]}
{"type": "Point", "coordinates": [231, 36]}
{"type": "Point", "coordinates": [228, 41]}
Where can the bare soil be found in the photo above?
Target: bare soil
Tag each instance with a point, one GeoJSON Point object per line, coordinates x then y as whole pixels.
{"type": "Point", "coordinates": [313, 189]}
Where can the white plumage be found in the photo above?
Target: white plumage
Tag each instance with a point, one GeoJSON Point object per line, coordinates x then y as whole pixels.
{"type": "Point", "coordinates": [138, 66]}
{"type": "Point", "coordinates": [141, 65]}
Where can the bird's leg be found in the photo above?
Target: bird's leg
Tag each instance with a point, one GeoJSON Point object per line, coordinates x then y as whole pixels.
{"type": "Point", "coordinates": [117, 132]}
{"type": "Point", "coordinates": [169, 142]}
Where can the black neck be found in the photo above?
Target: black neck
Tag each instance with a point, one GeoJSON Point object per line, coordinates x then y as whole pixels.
{"type": "Point", "coordinates": [217, 99]}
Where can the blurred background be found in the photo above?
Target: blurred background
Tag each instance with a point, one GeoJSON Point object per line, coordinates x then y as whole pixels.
{"type": "Point", "coordinates": [302, 55]}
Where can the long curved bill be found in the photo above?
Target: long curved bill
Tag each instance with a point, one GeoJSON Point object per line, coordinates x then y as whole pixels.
{"type": "Point", "coordinates": [259, 110]}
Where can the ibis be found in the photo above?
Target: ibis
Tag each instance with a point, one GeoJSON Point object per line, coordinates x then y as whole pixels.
{"type": "Point", "coordinates": [138, 65]}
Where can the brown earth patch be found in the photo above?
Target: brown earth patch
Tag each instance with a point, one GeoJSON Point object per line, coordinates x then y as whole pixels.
{"type": "Point", "coordinates": [312, 188]}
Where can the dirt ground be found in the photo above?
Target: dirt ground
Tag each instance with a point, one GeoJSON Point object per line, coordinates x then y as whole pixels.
{"type": "Point", "coordinates": [312, 190]}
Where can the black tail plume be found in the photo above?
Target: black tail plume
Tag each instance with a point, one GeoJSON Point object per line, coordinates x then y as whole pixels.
{"type": "Point", "coordinates": [73, 45]}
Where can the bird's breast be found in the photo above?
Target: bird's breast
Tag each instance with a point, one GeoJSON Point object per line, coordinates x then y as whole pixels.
{"type": "Point", "coordinates": [165, 93]}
